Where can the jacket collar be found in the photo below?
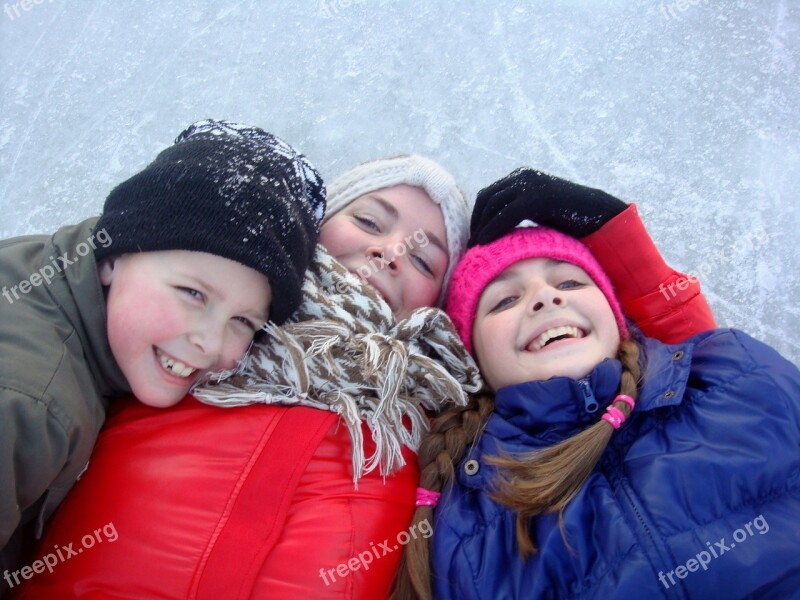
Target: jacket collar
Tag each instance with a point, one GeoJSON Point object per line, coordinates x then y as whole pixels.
{"type": "Point", "coordinates": [79, 295]}
{"type": "Point", "coordinates": [559, 407]}
{"type": "Point", "coordinates": [538, 414]}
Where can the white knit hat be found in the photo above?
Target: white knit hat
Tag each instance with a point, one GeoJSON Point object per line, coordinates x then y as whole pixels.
{"type": "Point", "coordinates": [421, 172]}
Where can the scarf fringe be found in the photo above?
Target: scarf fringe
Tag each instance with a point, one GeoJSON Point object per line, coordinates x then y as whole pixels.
{"type": "Point", "coordinates": [366, 369]}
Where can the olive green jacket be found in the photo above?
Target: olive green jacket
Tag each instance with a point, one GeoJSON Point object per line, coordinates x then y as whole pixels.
{"type": "Point", "coordinates": [57, 374]}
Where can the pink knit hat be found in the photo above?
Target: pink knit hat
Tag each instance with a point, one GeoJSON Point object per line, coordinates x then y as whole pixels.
{"type": "Point", "coordinates": [481, 264]}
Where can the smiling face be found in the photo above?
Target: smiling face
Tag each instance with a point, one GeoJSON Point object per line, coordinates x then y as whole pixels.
{"type": "Point", "coordinates": [395, 240]}
{"type": "Point", "coordinates": [542, 318]}
{"type": "Point", "coordinates": [175, 315]}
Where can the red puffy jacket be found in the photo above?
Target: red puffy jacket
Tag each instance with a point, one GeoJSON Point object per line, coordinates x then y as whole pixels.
{"type": "Point", "coordinates": [206, 502]}
{"type": "Point", "coordinates": [258, 501]}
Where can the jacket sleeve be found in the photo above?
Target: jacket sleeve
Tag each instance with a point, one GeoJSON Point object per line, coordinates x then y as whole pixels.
{"type": "Point", "coordinates": [34, 447]}
{"type": "Point", "coordinates": [748, 415]}
{"type": "Point", "coordinates": [663, 303]}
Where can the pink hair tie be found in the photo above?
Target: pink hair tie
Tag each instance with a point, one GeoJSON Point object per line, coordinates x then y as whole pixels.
{"type": "Point", "coordinates": [614, 416]}
{"type": "Point", "coordinates": [626, 399]}
{"type": "Point", "coordinates": [427, 497]}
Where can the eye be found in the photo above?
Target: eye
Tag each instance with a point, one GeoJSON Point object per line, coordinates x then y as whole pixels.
{"type": "Point", "coordinates": [193, 293]}
{"type": "Point", "coordinates": [570, 284]}
{"type": "Point", "coordinates": [423, 264]}
{"type": "Point", "coordinates": [367, 223]}
{"type": "Point", "coordinates": [247, 323]}
{"type": "Point", "coordinates": [504, 303]}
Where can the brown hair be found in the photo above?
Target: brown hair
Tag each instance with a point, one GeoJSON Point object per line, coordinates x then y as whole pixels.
{"type": "Point", "coordinates": [531, 484]}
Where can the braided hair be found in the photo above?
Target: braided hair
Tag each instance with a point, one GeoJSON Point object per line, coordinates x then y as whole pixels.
{"type": "Point", "coordinates": [531, 484]}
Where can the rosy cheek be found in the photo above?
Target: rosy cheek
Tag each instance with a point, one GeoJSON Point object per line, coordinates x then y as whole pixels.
{"type": "Point", "coordinates": [338, 238]}
{"type": "Point", "coordinates": [159, 312]}
{"type": "Point", "coordinates": [226, 364]}
{"type": "Point", "coordinates": [237, 341]}
{"type": "Point", "coordinates": [428, 293]}
{"type": "Point", "coordinates": [232, 355]}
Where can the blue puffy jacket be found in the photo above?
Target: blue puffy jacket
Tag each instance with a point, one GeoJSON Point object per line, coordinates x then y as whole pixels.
{"type": "Point", "coordinates": [696, 496]}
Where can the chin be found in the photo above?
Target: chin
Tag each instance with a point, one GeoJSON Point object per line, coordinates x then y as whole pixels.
{"type": "Point", "coordinates": [572, 371]}
{"type": "Point", "coordinates": [158, 402]}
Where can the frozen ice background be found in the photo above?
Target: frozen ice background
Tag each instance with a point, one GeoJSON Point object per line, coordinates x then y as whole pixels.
{"type": "Point", "coordinates": [690, 108]}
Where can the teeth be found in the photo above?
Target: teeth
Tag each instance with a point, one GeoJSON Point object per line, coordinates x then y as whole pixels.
{"type": "Point", "coordinates": [175, 367]}
{"type": "Point", "coordinates": [556, 332]}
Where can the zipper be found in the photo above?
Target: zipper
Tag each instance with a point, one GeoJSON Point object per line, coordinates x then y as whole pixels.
{"type": "Point", "coordinates": [590, 403]}
{"type": "Point", "coordinates": [655, 550]}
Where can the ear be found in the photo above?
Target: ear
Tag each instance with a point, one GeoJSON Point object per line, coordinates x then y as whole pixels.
{"type": "Point", "coordinates": [105, 270]}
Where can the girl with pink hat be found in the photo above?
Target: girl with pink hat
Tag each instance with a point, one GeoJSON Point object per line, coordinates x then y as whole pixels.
{"type": "Point", "coordinates": [597, 462]}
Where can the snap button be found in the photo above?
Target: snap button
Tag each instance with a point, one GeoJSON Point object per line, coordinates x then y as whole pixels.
{"type": "Point", "coordinates": [669, 395]}
{"type": "Point", "coordinates": [471, 467]}
{"type": "Point", "coordinates": [678, 355]}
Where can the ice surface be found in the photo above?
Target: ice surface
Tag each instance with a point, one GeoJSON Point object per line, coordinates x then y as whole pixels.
{"type": "Point", "coordinates": [687, 107]}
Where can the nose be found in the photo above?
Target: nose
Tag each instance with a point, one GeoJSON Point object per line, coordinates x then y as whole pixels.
{"type": "Point", "coordinates": [547, 296]}
{"type": "Point", "coordinates": [381, 257]}
{"type": "Point", "coordinates": [208, 338]}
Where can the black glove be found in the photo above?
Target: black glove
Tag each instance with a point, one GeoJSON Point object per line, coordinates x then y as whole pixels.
{"type": "Point", "coordinates": [573, 209]}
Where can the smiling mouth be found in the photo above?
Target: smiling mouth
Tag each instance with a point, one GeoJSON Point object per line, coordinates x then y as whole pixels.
{"type": "Point", "coordinates": [555, 334]}
{"type": "Point", "coordinates": [173, 366]}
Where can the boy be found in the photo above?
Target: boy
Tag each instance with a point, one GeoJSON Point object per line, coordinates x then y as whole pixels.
{"type": "Point", "coordinates": [189, 259]}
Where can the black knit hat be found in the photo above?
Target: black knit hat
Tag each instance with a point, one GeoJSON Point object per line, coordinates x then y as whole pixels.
{"type": "Point", "coordinates": [229, 190]}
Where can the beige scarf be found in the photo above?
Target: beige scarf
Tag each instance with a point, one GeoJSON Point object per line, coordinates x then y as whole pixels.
{"type": "Point", "coordinates": [343, 352]}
